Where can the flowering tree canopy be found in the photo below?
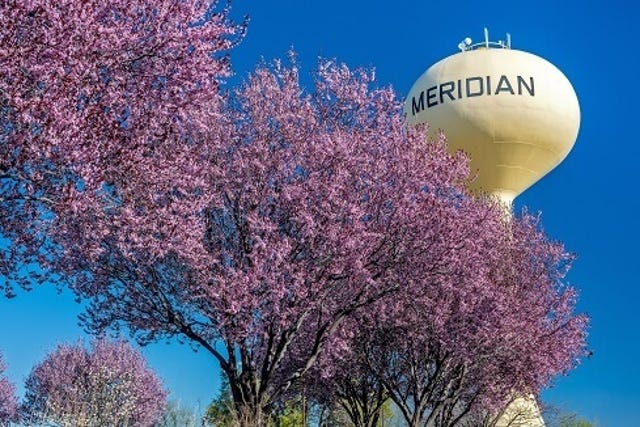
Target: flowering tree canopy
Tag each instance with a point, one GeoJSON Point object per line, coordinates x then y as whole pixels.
{"type": "Point", "coordinates": [110, 384]}
{"type": "Point", "coordinates": [87, 90]}
{"type": "Point", "coordinates": [468, 343]}
{"type": "Point", "coordinates": [8, 401]}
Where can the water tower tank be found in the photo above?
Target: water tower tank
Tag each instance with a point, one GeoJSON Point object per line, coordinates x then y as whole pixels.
{"type": "Point", "coordinates": [514, 113]}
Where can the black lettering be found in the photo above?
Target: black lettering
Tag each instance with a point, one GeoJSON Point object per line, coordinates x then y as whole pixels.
{"type": "Point", "coordinates": [504, 85]}
{"type": "Point", "coordinates": [530, 88]}
{"type": "Point", "coordinates": [473, 86]}
{"type": "Point", "coordinates": [450, 88]}
{"type": "Point", "coordinates": [480, 81]}
{"type": "Point", "coordinates": [431, 95]}
{"type": "Point", "coordinates": [416, 107]}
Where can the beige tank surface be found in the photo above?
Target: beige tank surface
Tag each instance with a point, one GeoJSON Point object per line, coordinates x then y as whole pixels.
{"type": "Point", "coordinates": [521, 412]}
{"type": "Point", "coordinates": [514, 113]}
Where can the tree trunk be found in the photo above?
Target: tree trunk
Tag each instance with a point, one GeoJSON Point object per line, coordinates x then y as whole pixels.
{"type": "Point", "coordinates": [248, 405]}
{"type": "Point", "coordinates": [250, 415]}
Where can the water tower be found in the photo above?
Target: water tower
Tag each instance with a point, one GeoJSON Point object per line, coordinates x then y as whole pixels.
{"type": "Point", "coordinates": [515, 114]}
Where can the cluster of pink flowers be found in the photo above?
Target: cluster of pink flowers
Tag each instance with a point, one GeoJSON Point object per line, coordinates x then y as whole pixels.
{"type": "Point", "coordinates": [8, 400]}
{"type": "Point", "coordinates": [91, 92]}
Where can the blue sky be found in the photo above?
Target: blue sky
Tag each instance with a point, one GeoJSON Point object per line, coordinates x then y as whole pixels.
{"type": "Point", "coordinates": [588, 202]}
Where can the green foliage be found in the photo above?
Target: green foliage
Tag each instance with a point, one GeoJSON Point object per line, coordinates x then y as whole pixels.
{"type": "Point", "coordinates": [386, 413]}
{"type": "Point", "coordinates": [574, 421]}
{"type": "Point", "coordinates": [334, 415]}
{"type": "Point", "coordinates": [291, 415]}
{"type": "Point", "coordinates": [219, 412]}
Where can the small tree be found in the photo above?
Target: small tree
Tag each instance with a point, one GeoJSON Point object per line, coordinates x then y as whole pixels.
{"type": "Point", "coordinates": [108, 385]}
{"type": "Point", "coordinates": [292, 413]}
{"type": "Point", "coordinates": [574, 421]}
{"type": "Point", "coordinates": [8, 401]}
{"type": "Point", "coordinates": [176, 415]}
{"type": "Point", "coordinates": [555, 416]}
{"type": "Point", "coordinates": [220, 411]}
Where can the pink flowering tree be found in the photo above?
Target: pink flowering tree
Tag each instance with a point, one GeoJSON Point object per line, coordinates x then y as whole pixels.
{"type": "Point", "coordinates": [460, 348]}
{"type": "Point", "coordinates": [87, 89]}
{"type": "Point", "coordinates": [8, 401]}
{"type": "Point", "coordinates": [110, 384]}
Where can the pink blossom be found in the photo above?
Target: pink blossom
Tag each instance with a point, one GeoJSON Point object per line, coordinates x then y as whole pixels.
{"type": "Point", "coordinates": [8, 400]}
{"type": "Point", "coordinates": [110, 384]}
